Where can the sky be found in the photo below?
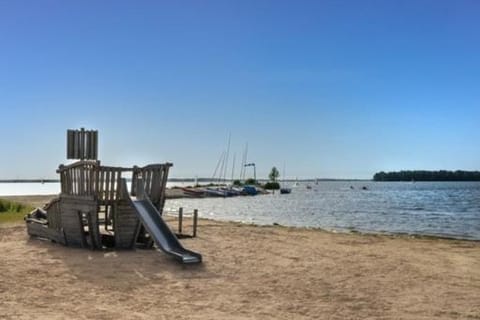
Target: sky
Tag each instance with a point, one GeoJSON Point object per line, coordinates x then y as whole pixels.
{"type": "Point", "coordinates": [330, 89]}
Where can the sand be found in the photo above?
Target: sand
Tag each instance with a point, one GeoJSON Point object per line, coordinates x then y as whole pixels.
{"type": "Point", "coordinates": [249, 272]}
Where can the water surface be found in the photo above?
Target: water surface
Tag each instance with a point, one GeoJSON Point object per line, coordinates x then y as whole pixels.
{"type": "Point", "coordinates": [449, 209]}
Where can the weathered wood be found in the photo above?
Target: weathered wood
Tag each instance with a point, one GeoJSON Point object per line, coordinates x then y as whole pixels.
{"type": "Point", "coordinates": [154, 177]}
{"type": "Point", "coordinates": [53, 214]}
{"type": "Point", "coordinates": [42, 231]}
{"type": "Point", "coordinates": [93, 230]}
{"type": "Point", "coordinates": [180, 219]}
{"type": "Point", "coordinates": [70, 142]}
{"type": "Point", "coordinates": [73, 208]}
{"type": "Point", "coordinates": [77, 154]}
{"type": "Point", "coordinates": [88, 178]}
{"type": "Point", "coordinates": [87, 187]}
{"type": "Point", "coordinates": [95, 145]}
{"type": "Point", "coordinates": [126, 225]}
{"type": "Point", "coordinates": [82, 144]}
{"type": "Point", "coordinates": [195, 221]}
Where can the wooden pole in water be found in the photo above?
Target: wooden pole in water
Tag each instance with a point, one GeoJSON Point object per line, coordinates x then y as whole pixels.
{"type": "Point", "coordinates": [195, 218]}
{"type": "Point", "coordinates": [180, 219]}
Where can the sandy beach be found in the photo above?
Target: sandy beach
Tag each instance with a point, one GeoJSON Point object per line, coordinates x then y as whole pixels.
{"type": "Point", "coordinates": [249, 272]}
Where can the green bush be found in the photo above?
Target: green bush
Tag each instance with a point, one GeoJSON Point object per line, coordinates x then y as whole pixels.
{"type": "Point", "coordinates": [272, 186]}
{"type": "Point", "coordinates": [251, 181]}
{"type": "Point", "coordinates": [11, 211]}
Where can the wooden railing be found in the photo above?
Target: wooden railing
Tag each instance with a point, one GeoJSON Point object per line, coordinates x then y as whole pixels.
{"type": "Point", "coordinates": [154, 178]}
{"type": "Point", "coordinates": [89, 178]}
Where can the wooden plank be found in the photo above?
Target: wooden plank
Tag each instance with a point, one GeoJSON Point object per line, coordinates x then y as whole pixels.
{"type": "Point", "coordinates": [93, 230]}
{"type": "Point", "coordinates": [95, 145]}
{"type": "Point", "coordinates": [106, 185]}
{"type": "Point", "coordinates": [53, 214]}
{"type": "Point", "coordinates": [113, 190]}
{"type": "Point", "coordinates": [133, 187]}
{"type": "Point", "coordinates": [81, 181]}
{"type": "Point", "coordinates": [161, 201]}
{"type": "Point", "coordinates": [126, 225]}
{"type": "Point", "coordinates": [72, 207]}
{"type": "Point", "coordinates": [102, 185]}
{"type": "Point", "coordinates": [88, 151]}
{"type": "Point", "coordinates": [96, 181]}
{"type": "Point", "coordinates": [69, 181]}
{"type": "Point", "coordinates": [83, 237]}
{"type": "Point", "coordinates": [157, 190]}
{"type": "Point", "coordinates": [73, 182]}
{"type": "Point", "coordinates": [147, 181]}
{"type": "Point", "coordinates": [91, 180]}
{"type": "Point", "coordinates": [81, 145]}
{"type": "Point", "coordinates": [41, 231]}
{"type": "Point", "coordinates": [75, 145]}
{"type": "Point", "coordinates": [70, 144]}
{"type": "Point", "coordinates": [89, 145]}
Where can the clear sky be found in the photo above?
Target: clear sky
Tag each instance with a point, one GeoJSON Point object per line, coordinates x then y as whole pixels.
{"type": "Point", "coordinates": [332, 88]}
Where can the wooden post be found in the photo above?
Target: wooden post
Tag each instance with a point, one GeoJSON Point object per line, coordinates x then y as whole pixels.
{"type": "Point", "coordinates": [180, 220]}
{"type": "Point", "coordinates": [95, 145]}
{"type": "Point", "coordinates": [70, 143]}
{"type": "Point", "coordinates": [81, 147]}
{"type": "Point", "coordinates": [195, 218]}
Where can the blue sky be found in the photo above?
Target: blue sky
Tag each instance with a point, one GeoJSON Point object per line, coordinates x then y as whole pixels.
{"type": "Point", "coordinates": [332, 88]}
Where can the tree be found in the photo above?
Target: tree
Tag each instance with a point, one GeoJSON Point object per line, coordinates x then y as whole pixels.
{"type": "Point", "coordinates": [274, 174]}
{"type": "Point", "coordinates": [423, 175]}
{"type": "Point", "coordinates": [272, 186]}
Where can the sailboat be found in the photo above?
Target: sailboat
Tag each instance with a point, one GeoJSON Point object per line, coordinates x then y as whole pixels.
{"type": "Point", "coordinates": [296, 182]}
{"type": "Point", "coordinates": [284, 190]}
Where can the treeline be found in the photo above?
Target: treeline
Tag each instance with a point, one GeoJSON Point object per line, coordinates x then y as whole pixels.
{"type": "Point", "coordinates": [423, 175]}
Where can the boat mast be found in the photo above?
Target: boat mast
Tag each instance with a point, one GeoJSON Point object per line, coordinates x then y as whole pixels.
{"type": "Point", "coordinates": [218, 164]}
{"type": "Point", "coordinates": [226, 159]}
{"type": "Point", "coordinates": [244, 162]}
{"type": "Point", "coordinates": [233, 165]}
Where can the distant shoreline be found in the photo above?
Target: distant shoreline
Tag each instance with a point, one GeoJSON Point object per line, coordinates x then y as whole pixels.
{"type": "Point", "coordinates": [230, 181]}
{"type": "Point", "coordinates": [184, 180]}
{"type": "Point", "coordinates": [427, 175]}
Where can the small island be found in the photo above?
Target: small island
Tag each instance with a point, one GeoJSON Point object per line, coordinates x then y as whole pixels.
{"type": "Point", "coordinates": [424, 175]}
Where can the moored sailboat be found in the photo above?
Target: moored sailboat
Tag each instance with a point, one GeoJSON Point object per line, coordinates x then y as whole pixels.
{"type": "Point", "coordinates": [284, 189]}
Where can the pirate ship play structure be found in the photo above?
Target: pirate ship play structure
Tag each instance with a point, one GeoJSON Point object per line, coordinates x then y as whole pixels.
{"type": "Point", "coordinates": [95, 209]}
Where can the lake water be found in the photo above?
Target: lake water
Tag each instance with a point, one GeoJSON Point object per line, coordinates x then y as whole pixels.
{"type": "Point", "coordinates": [450, 209]}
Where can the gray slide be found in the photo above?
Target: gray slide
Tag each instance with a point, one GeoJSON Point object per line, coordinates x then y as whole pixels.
{"type": "Point", "coordinates": [159, 230]}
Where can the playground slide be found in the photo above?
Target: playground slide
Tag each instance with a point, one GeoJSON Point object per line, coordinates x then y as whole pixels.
{"type": "Point", "coordinates": [161, 233]}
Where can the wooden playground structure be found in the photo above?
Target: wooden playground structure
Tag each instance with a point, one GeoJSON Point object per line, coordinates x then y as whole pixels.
{"type": "Point", "coordinates": [95, 208]}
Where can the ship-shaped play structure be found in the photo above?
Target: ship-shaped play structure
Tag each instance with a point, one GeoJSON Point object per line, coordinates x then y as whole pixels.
{"type": "Point", "coordinates": [95, 208]}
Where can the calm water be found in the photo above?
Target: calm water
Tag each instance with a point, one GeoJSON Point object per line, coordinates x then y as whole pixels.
{"type": "Point", "coordinates": [449, 209]}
